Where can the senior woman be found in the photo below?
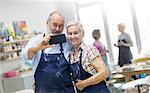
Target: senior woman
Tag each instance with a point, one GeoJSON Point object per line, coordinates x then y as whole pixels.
{"type": "Point", "coordinates": [87, 68]}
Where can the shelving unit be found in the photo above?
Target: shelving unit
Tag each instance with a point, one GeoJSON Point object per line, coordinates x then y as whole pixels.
{"type": "Point", "coordinates": [14, 50]}
{"type": "Point", "coordinates": [11, 50]}
{"type": "Point", "coordinates": [13, 37]}
{"type": "Point", "coordinates": [10, 58]}
{"type": "Point", "coordinates": [15, 41]}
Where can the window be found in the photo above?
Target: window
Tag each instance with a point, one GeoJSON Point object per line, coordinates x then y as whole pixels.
{"type": "Point", "coordinates": [143, 19]}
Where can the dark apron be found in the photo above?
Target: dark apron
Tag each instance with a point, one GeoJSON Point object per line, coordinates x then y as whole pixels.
{"type": "Point", "coordinates": [53, 74]}
{"type": "Point", "coordinates": [125, 55]}
{"type": "Point", "coordinates": [79, 73]}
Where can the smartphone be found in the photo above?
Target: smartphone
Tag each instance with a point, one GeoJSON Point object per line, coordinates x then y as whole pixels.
{"type": "Point", "coordinates": [56, 39]}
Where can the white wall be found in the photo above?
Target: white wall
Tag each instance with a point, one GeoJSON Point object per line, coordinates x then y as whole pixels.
{"type": "Point", "coordinates": [68, 9]}
{"type": "Point", "coordinates": [0, 12]}
{"type": "Point", "coordinates": [34, 12]}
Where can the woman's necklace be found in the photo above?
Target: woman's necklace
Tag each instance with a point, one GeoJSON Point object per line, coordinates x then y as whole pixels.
{"type": "Point", "coordinates": [75, 56]}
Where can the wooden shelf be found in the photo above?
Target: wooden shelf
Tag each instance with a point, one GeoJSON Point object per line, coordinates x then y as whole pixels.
{"type": "Point", "coordinates": [16, 41]}
{"type": "Point", "coordinates": [12, 59]}
{"type": "Point", "coordinates": [13, 50]}
{"type": "Point", "coordinates": [8, 52]}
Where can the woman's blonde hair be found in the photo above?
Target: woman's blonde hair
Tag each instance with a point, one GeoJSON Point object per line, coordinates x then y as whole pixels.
{"type": "Point", "coordinates": [121, 25]}
{"type": "Point", "coordinates": [74, 23]}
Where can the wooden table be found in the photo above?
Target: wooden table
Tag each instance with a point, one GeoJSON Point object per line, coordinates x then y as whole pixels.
{"type": "Point", "coordinates": [128, 74]}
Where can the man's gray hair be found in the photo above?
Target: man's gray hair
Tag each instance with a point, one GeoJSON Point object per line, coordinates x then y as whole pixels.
{"type": "Point", "coordinates": [54, 12]}
{"type": "Point", "coordinates": [75, 23]}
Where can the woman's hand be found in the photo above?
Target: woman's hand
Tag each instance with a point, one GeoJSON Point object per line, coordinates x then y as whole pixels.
{"type": "Point", "coordinates": [33, 85]}
{"type": "Point", "coordinates": [80, 85]}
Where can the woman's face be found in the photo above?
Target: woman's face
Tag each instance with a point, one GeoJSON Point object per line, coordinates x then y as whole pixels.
{"type": "Point", "coordinates": [121, 28]}
{"type": "Point", "coordinates": [75, 35]}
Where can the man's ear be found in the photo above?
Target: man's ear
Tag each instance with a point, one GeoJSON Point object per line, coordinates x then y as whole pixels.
{"type": "Point", "coordinates": [83, 34]}
{"type": "Point", "coordinates": [46, 22]}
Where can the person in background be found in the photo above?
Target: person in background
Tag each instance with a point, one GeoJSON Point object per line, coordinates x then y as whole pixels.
{"type": "Point", "coordinates": [50, 62]}
{"type": "Point", "coordinates": [101, 48]}
{"type": "Point", "coordinates": [124, 44]}
{"type": "Point", "coordinates": [88, 70]}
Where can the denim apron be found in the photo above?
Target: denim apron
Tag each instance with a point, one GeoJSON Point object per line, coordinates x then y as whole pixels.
{"type": "Point", "coordinates": [79, 73]}
{"type": "Point", "coordinates": [53, 74]}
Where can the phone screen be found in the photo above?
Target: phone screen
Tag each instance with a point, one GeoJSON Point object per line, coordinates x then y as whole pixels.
{"type": "Point", "coordinates": [56, 39]}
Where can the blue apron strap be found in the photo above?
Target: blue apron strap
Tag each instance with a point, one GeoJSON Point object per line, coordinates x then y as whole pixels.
{"type": "Point", "coordinates": [61, 47]}
{"type": "Point", "coordinates": [43, 51]}
{"type": "Point", "coordinates": [80, 63]}
{"type": "Point", "coordinates": [80, 57]}
{"type": "Point", "coordinates": [43, 36]}
{"type": "Point", "coordinates": [71, 75]}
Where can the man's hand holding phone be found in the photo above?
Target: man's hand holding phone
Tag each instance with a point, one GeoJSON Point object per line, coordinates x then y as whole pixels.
{"type": "Point", "coordinates": [49, 40]}
{"type": "Point", "coordinates": [44, 43]}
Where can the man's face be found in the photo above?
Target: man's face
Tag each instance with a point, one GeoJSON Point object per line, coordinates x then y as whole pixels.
{"type": "Point", "coordinates": [56, 24]}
